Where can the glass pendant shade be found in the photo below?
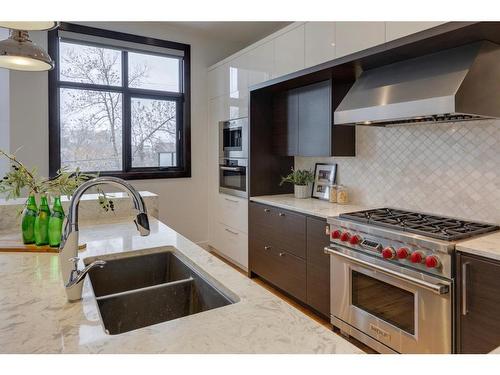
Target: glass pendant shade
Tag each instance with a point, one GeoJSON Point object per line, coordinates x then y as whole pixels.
{"type": "Point", "coordinates": [19, 53]}
{"type": "Point", "coordinates": [29, 25]}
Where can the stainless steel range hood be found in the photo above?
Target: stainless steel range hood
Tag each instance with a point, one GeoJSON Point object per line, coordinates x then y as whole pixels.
{"type": "Point", "coordinates": [458, 84]}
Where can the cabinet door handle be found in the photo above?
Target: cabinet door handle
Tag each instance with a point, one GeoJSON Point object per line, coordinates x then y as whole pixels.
{"type": "Point", "coordinates": [231, 200]}
{"type": "Point", "coordinates": [230, 231]}
{"type": "Point", "coordinates": [465, 268]}
{"type": "Point", "coordinates": [282, 254]}
{"type": "Point", "coordinates": [281, 214]}
{"type": "Point", "coordinates": [267, 210]}
{"type": "Point", "coordinates": [267, 247]}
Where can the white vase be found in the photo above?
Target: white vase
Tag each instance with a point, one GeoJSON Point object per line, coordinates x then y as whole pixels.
{"type": "Point", "coordinates": [301, 191]}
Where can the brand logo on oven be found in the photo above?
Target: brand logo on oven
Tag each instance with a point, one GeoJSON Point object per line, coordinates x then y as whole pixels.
{"type": "Point", "coordinates": [380, 332]}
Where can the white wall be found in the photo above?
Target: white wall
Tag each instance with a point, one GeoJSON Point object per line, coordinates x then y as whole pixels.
{"type": "Point", "coordinates": [183, 202]}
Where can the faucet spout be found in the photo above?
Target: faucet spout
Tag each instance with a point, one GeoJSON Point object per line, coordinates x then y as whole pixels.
{"type": "Point", "coordinates": [69, 242]}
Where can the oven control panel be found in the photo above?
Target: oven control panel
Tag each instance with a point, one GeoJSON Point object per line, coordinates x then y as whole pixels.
{"type": "Point", "coordinates": [391, 250]}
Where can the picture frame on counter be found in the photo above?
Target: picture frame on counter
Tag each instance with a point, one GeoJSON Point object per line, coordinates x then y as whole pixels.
{"type": "Point", "coordinates": [325, 175]}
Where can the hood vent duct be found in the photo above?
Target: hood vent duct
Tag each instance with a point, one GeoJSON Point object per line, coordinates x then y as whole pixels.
{"type": "Point", "coordinates": [459, 84]}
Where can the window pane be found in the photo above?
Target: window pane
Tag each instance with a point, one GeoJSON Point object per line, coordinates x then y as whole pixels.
{"type": "Point", "coordinates": [88, 64]}
{"type": "Point", "coordinates": [154, 128]}
{"type": "Point", "coordinates": [91, 130]}
{"type": "Point", "coordinates": [153, 72]}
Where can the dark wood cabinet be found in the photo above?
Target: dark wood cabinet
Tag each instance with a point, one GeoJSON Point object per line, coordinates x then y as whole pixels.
{"type": "Point", "coordinates": [286, 249]}
{"type": "Point", "coordinates": [315, 120]}
{"type": "Point", "coordinates": [303, 123]}
{"type": "Point", "coordinates": [478, 304]}
{"type": "Point", "coordinates": [318, 265]}
{"type": "Point", "coordinates": [283, 228]}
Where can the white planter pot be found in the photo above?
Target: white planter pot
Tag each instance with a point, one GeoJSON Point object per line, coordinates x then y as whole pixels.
{"type": "Point", "coordinates": [301, 191]}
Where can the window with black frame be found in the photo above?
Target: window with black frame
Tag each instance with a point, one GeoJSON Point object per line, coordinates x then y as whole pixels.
{"type": "Point", "coordinates": [119, 104]}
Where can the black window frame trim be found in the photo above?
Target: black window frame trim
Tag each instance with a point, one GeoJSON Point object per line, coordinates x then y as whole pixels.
{"type": "Point", "coordinates": [183, 110]}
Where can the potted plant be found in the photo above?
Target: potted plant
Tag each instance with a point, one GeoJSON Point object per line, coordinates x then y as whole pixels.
{"type": "Point", "coordinates": [301, 179]}
{"type": "Point", "coordinates": [20, 181]}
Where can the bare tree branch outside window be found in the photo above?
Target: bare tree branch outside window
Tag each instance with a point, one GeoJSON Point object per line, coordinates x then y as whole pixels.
{"type": "Point", "coordinates": [91, 119]}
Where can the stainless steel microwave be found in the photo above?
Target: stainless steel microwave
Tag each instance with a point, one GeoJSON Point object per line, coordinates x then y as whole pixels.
{"type": "Point", "coordinates": [233, 138]}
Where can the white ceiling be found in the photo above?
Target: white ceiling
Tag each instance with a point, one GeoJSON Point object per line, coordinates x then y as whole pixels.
{"type": "Point", "coordinates": [244, 33]}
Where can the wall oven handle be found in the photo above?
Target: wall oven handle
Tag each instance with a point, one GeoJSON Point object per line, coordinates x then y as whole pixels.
{"type": "Point", "coordinates": [233, 169]}
{"type": "Point", "coordinates": [435, 288]}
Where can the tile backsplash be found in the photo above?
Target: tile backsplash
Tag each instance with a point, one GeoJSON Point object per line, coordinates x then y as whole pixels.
{"type": "Point", "coordinates": [449, 169]}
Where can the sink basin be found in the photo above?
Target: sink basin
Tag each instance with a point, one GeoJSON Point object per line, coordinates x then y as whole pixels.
{"type": "Point", "coordinates": [137, 271]}
{"type": "Point", "coordinates": [141, 290]}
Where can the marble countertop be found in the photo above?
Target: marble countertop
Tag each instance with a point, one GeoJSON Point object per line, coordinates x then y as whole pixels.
{"type": "Point", "coordinates": [309, 206]}
{"type": "Point", "coordinates": [487, 246]}
{"type": "Point", "coordinates": [35, 317]}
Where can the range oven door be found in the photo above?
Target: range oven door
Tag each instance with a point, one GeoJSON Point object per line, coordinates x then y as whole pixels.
{"type": "Point", "coordinates": [404, 310]}
{"type": "Point", "coordinates": [233, 177]}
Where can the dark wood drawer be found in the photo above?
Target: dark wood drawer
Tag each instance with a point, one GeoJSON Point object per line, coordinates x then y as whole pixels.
{"type": "Point", "coordinates": [318, 266]}
{"type": "Point", "coordinates": [281, 268]}
{"type": "Point", "coordinates": [284, 228]}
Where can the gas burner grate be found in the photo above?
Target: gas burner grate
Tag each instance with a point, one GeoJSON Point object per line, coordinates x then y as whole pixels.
{"type": "Point", "coordinates": [440, 227]}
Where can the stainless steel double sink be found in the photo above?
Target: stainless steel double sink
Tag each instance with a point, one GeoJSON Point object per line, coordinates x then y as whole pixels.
{"type": "Point", "coordinates": [142, 289]}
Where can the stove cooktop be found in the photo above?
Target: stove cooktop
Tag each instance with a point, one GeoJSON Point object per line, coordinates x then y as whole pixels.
{"type": "Point", "coordinates": [439, 227]}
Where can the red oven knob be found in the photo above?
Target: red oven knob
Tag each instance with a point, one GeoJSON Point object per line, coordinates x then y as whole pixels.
{"type": "Point", "coordinates": [355, 240]}
{"type": "Point", "coordinates": [403, 253]}
{"type": "Point", "coordinates": [388, 253]}
{"type": "Point", "coordinates": [417, 257]}
{"type": "Point", "coordinates": [345, 236]}
{"type": "Point", "coordinates": [336, 234]}
{"type": "Point", "coordinates": [432, 261]}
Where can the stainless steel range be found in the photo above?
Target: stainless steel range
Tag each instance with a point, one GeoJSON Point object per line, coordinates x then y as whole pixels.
{"type": "Point", "coordinates": [392, 278]}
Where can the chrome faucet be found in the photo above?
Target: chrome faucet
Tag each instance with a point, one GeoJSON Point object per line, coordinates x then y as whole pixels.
{"type": "Point", "coordinates": [68, 250]}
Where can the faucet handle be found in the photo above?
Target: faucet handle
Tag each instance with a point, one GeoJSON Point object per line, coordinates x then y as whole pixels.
{"type": "Point", "coordinates": [75, 261]}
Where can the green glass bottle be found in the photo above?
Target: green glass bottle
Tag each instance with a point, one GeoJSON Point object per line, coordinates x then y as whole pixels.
{"type": "Point", "coordinates": [28, 222]}
{"type": "Point", "coordinates": [55, 223]}
{"type": "Point", "coordinates": [42, 223]}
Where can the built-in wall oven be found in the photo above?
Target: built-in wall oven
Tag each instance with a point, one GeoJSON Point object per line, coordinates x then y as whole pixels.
{"type": "Point", "coordinates": [233, 177]}
{"type": "Point", "coordinates": [233, 157]}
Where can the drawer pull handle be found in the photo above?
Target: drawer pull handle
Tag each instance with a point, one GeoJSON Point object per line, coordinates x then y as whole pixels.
{"type": "Point", "coordinates": [267, 247]}
{"type": "Point", "coordinates": [282, 254]}
{"type": "Point", "coordinates": [267, 210]}
{"type": "Point", "coordinates": [231, 200]}
{"type": "Point", "coordinates": [230, 231]}
{"type": "Point", "coordinates": [281, 214]}
{"type": "Point", "coordinates": [465, 267]}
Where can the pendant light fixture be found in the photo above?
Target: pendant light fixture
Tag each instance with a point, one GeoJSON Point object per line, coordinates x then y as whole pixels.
{"type": "Point", "coordinates": [18, 52]}
{"type": "Point", "coordinates": [29, 25]}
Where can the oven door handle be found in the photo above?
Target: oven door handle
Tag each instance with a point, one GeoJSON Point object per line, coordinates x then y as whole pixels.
{"type": "Point", "coordinates": [233, 169]}
{"type": "Point", "coordinates": [435, 288]}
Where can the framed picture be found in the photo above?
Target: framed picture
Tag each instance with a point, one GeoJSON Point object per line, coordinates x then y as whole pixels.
{"type": "Point", "coordinates": [324, 176]}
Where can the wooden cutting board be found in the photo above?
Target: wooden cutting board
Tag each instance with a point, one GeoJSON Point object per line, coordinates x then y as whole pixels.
{"type": "Point", "coordinates": [13, 246]}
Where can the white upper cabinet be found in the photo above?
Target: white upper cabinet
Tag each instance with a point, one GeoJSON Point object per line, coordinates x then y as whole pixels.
{"type": "Point", "coordinates": [260, 62]}
{"type": "Point", "coordinates": [319, 42]}
{"type": "Point", "coordinates": [395, 30]}
{"type": "Point", "coordinates": [352, 37]}
{"type": "Point", "coordinates": [238, 74]}
{"type": "Point", "coordinates": [218, 81]}
{"type": "Point", "coordinates": [238, 104]}
{"type": "Point", "coordinates": [289, 52]}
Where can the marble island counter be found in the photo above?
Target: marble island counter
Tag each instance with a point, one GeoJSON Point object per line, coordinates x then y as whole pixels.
{"type": "Point", "coordinates": [35, 317]}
